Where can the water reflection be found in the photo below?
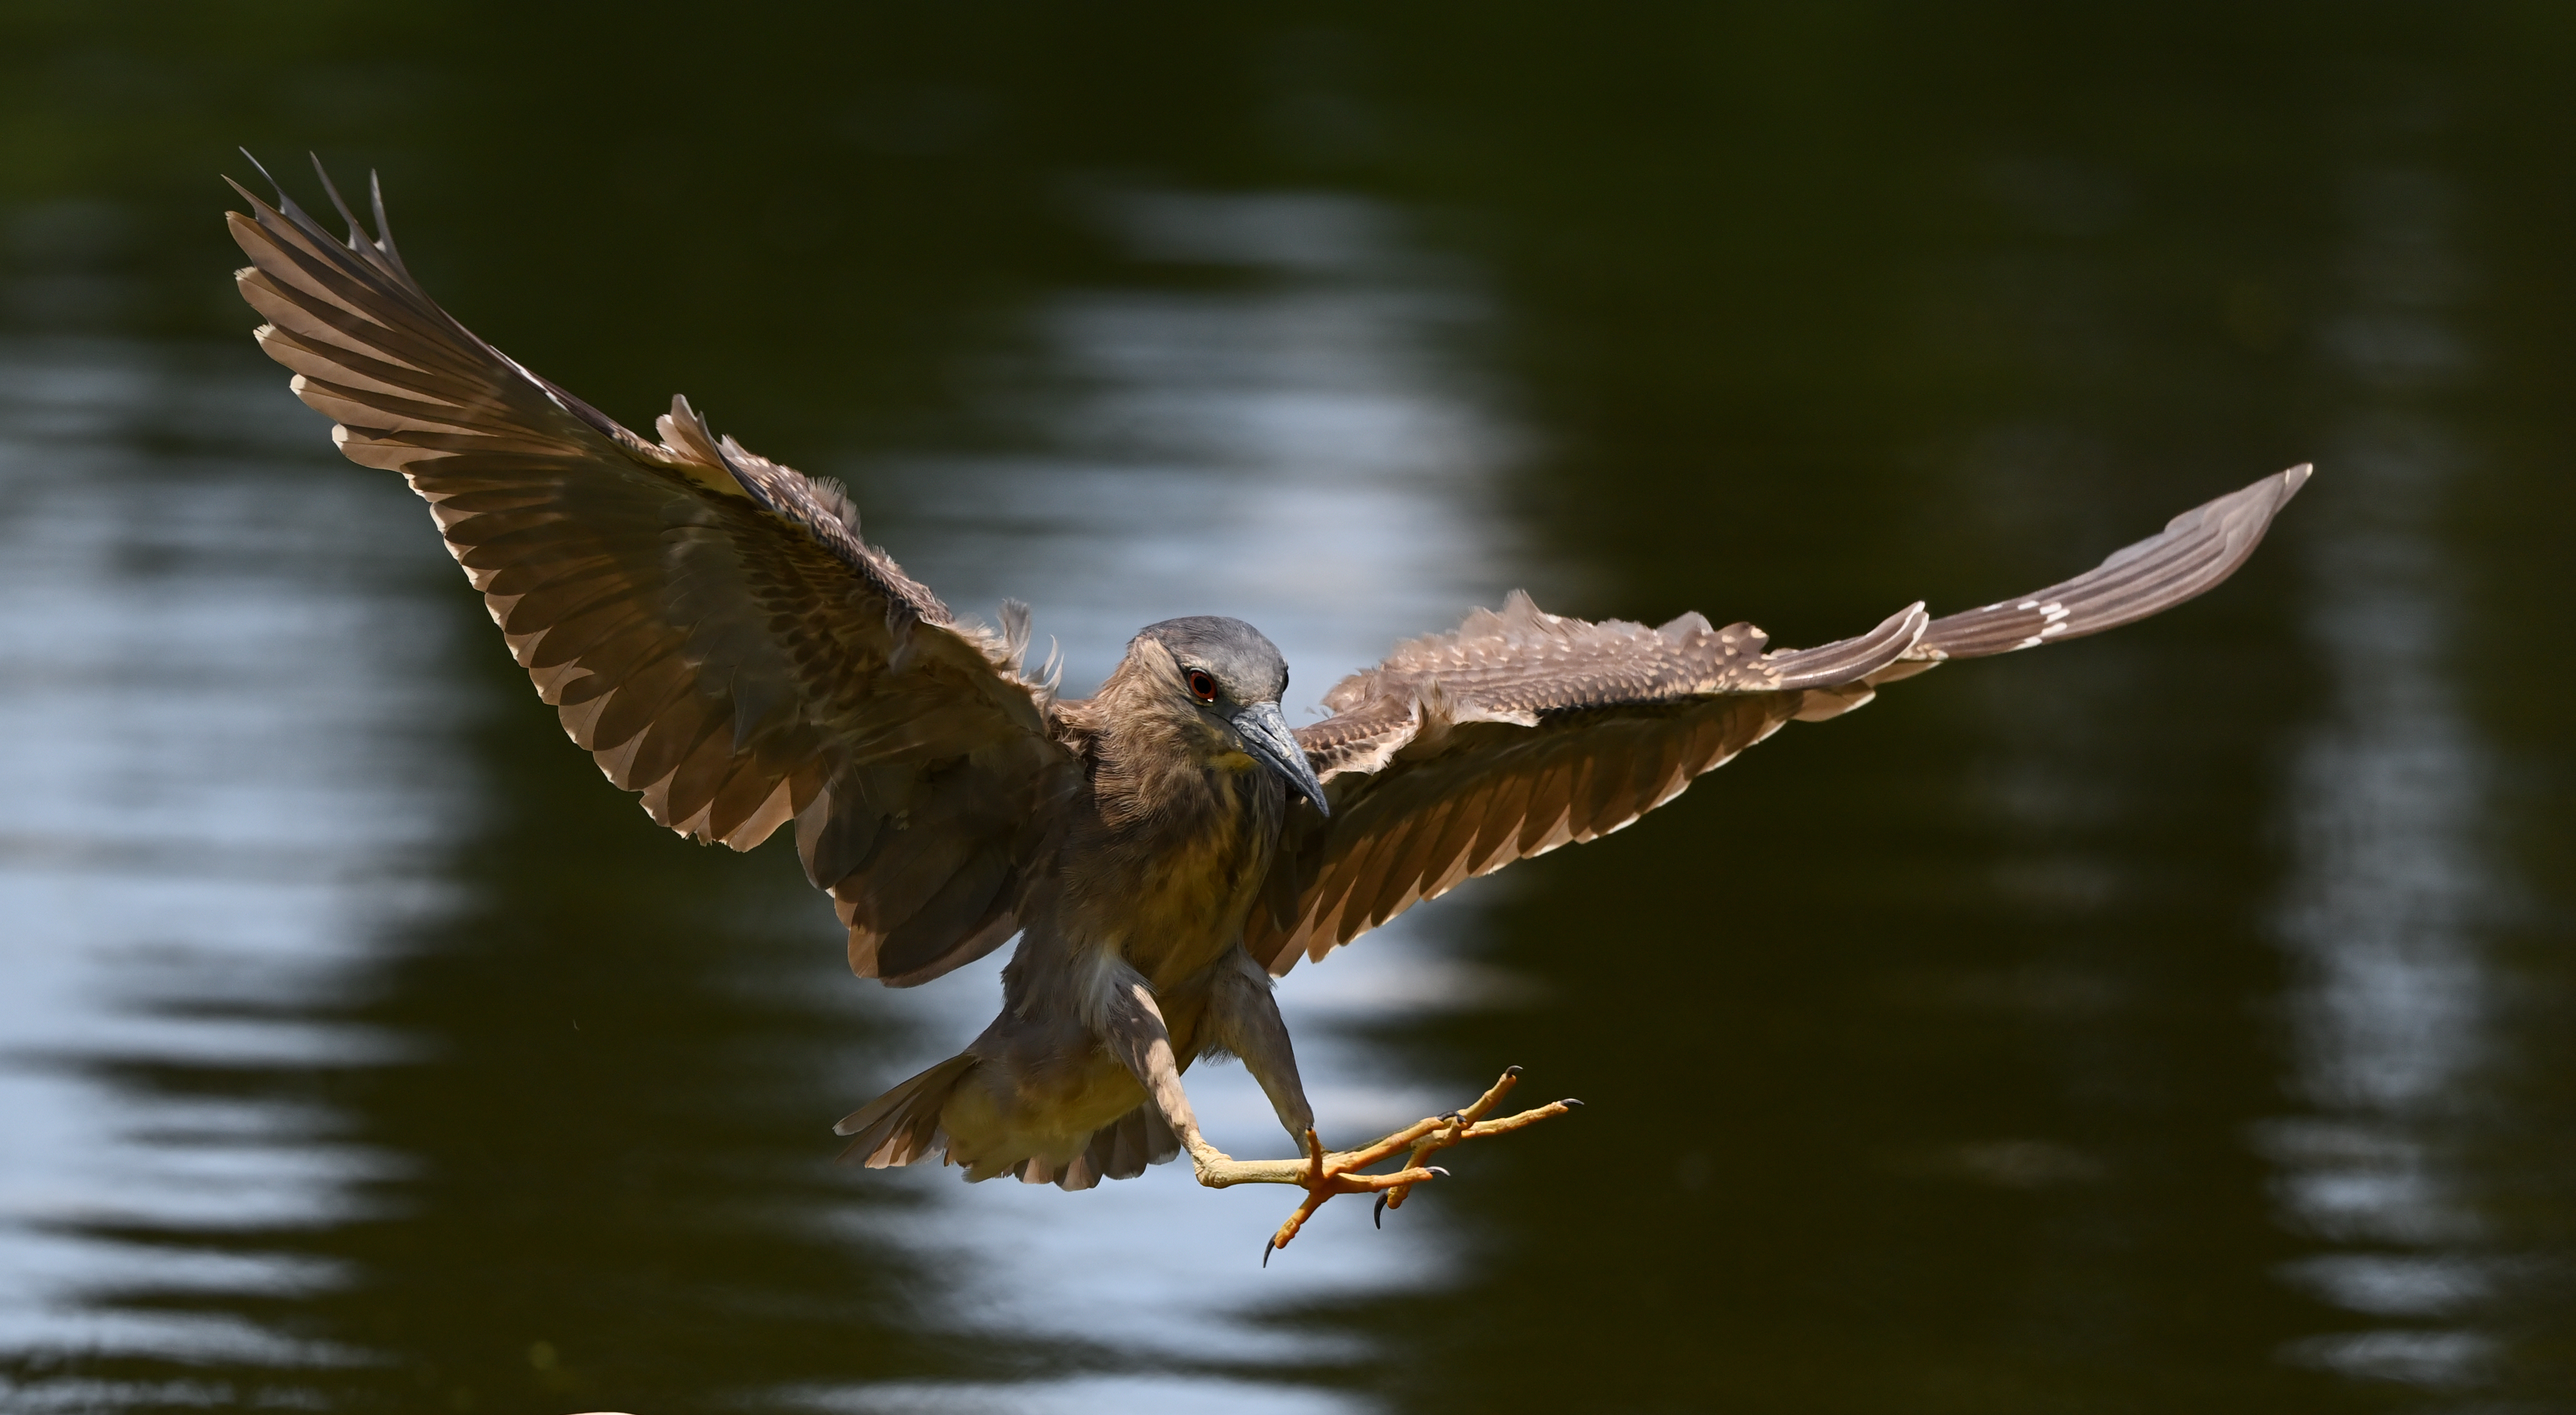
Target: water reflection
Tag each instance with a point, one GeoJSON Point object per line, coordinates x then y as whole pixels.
{"type": "Point", "coordinates": [2392, 887]}
{"type": "Point", "coordinates": [220, 786]}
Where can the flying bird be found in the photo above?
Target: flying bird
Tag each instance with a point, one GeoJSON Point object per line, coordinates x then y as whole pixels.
{"type": "Point", "coordinates": [715, 631]}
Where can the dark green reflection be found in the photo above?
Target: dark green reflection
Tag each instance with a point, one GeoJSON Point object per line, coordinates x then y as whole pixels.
{"type": "Point", "coordinates": [1955, 1056]}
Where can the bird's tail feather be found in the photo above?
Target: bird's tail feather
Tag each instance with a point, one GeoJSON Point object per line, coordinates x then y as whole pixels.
{"type": "Point", "coordinates": [902, 1125]}
{"type": "Point", "coordinates": [1118, 1150]}
{"type": "Point", "coordinates": [1122, 1148]}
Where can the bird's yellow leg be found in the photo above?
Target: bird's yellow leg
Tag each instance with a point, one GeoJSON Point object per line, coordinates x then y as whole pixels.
{"type": "Point", "coordinates": [1326, 1175]}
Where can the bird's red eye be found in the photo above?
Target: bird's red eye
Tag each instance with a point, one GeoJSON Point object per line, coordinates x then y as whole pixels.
{"type": "Point", "coordinates": [1202, 686]}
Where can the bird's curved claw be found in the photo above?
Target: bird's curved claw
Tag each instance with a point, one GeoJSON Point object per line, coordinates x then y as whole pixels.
{"type": "Point", "coordinates": [1324, 1176]}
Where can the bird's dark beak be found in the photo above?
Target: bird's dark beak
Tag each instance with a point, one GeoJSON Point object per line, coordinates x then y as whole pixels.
{"type": "Point", "coordinates": [1265, 734]}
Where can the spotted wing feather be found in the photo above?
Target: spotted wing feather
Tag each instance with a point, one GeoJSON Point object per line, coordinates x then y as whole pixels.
{"type": "Point", "coordinates": [2197, 550]}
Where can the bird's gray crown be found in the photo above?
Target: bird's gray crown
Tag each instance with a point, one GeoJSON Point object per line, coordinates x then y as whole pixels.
{"type": "Point", "coordinates": [1246, 664]}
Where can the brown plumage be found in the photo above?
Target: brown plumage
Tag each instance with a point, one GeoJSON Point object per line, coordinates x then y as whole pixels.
{"type": "Point", "coordinates": [714, 630]}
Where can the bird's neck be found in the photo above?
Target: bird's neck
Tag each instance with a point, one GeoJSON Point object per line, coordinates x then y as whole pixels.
{"type": "Point", "coordinates": [1157, 779]}
{"type": "Point", "coordinates": [1161, 769]}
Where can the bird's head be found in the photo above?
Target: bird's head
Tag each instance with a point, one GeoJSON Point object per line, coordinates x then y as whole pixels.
{"type": "Point", "coordinates": [1230, 676]}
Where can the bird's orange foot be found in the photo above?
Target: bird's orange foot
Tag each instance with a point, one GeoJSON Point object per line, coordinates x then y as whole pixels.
{"type": "Point", "coordinates": [1323, 1175]}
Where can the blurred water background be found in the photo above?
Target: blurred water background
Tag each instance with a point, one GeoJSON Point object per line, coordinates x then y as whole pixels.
{"type": "Point", "coordinates": [2178, 1020]}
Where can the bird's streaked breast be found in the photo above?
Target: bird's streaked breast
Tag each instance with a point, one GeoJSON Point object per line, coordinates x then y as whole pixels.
{"type": "Point", "coordinates": [1191, 881]}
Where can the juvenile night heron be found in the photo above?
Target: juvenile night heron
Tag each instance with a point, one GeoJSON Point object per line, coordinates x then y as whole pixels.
{"type": "Point", "coordinates": [715, 632]}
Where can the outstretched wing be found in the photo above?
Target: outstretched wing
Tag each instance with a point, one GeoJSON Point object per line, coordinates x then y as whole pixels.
{"type": "Point", "coordinates": [1523, 731]}
{"type": "Point", "coordinates": [708, 623]}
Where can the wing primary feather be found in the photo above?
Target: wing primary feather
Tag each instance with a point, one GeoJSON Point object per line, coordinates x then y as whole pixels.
{"type": "Point", "coordinates": [385, 225]}
{"type": "Point", "coordinates": [2196, 551]}
{"type": "Point", "coordinates": [331, 189]}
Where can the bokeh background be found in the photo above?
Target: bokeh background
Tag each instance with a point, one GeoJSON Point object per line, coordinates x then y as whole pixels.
{"type": "Point", "coordinates": [2180, 1020]}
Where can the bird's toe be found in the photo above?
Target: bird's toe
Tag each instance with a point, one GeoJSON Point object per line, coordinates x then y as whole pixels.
{"type": "Point", "coordinates": [1324, 1176]}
